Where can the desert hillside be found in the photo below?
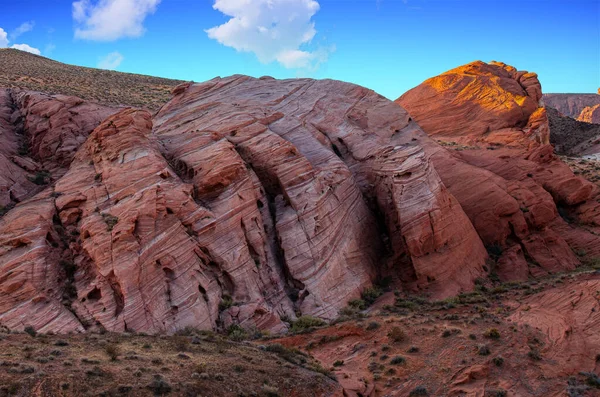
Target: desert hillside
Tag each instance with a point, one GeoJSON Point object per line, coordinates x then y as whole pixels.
{"type": "Point", "coordinates": [253, 225]}
{"type": "Point", "coordinates": [36, 73]}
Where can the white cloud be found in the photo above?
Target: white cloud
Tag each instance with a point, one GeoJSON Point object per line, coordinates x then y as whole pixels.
{"type": "Point", "coordinates": [24, 28]}
{"type": "Point", "coordinates": [27, 48]}
{"type": "Point", "coordinates": [3, 39]}
{"type": "Point", "coordinates": [108, 20]}
{"type": "Point", "coordinates": [23, 47]}
{"type": "Point", "coordinates": [111, 61]}
{"type": "Point", "coordinates": [274, 30]}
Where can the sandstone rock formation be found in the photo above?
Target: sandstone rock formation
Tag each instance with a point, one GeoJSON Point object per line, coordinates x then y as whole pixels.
{"type": "Point", "coordinates": [242, 201]}
{"type": "Point", "coordinates": [571, 105]}
{"type": "Point", "coordinates": [39, 135]}
{"type": "Point", "coordinates": [502, 169]}
{"type": "Point", "coordinates": [590, 114]}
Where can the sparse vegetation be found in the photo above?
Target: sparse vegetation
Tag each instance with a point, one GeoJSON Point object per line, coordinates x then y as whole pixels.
{"type": "Point", "coordinates": [40, 178]}
{"type": "Point", "coordinates": [397, 360]}
{"type": "Point", "coordinates": [20, 69]}
{"type": "Point", "coordinates": [492, 333]}
{"type": "Point", "coordinates": [112, 351]}
{"type": "Point", "coordinates": [419, 391]}
{"type": "Point", "coordinates": [397, 334]}
{"type": "Point", "coordinates": [305, 323]}
{"type": "Point", "coordinates": [483, 350]}
{"type": "Point", "coordinates": [110, 221]}
{"type": "Point", "coordinates": [30, 330]}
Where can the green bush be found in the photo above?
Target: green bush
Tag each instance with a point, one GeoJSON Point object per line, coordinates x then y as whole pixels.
{"type": "Point", "coordinates": [305, 322]}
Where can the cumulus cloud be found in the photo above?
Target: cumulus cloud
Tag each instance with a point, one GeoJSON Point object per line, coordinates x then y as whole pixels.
{"type": "Point", "coordinates": [111, 61]}
{"type": "Point", "coordinates": [27, 48]}
{"type": "Point", "coordinates": [23, 47]}
{"type": "Point", "coordinates": [109, 20]}
{"type": "Point", "coordinates": [24, 28]}
{"type": "Point", "coordinates": [274, 30]}
{"type": "Point", "coordinates": [3, 39]}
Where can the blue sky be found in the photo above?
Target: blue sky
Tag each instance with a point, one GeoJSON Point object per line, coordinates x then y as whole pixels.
{"type": "Point", "coordinates": [386, 45]}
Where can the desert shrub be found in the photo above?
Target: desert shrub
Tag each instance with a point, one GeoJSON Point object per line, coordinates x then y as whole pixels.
{"type": "Point", "coordinates": [30, 330]}
{"type": "Point", "coordinates": [159, 386]}
{"type": "Point", "coordinates": [358, 304]}
{"type": "Point", "coordinates": [534, 354]}
{"type": "Point", "coordinates": [338, 363]}
{"type": "Point", "coordinates": [483, 350]}
{"type": "Point", "coordinates": [492, 333]}
{"type": "Point", "coordinates": [450, 331]}
{"type": "Point", "coordinates": [592, 379]}
{"type": "Point", "coordinates": [498, 361]}
{"type": "Point", "coordinates": [226, 302]}
{"type": "Point", "coordinates": [397, 360]}
{"type": "Point", "coordinates": [397, 334]}
{"type": "Point", "coordinates": [418, 391]}
{"type": "Point", "coordinates": [110, 221]}
{"type": "Point", "coordinates": [372, 326]}
{"type": "Point", "coordinates": [237, 333]}
{"type": "Point", "coordinates": [305, 322]}
{"type": "Point", "coordinates": [370, 295]}
{"type": "Point", "coordinates": [112, 351]}
{"type": "Point", "coordinates": [40, 178]}
{"type": "Point", "coordinates": [413, 349]}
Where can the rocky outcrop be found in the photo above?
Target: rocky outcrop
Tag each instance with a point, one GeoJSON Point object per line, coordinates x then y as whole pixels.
{"type": "Point", "coordinates": [502, 170]}
{"type": "Point", "coordinates": [571, 105]}
{"type": "Point", "coordinates": [39, 134]}
{"type": "Point", "coordinates": [243, 201]}
{"type": "Point", "coordinates": [480, 102]}
{"type": "Point", "coordinates": [590, 114]}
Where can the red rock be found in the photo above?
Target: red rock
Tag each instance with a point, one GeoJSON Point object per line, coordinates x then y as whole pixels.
{"type": "Point", "coordinates": [247, 201]}
{"type": "Point", "coordinates": [57, 125]}
{"type": "Point", "coordinates": [590, 114]}
{"type": "Point", "coordinates": [507, 178]}
{"type": "Point", "coordinates": [571, 105]}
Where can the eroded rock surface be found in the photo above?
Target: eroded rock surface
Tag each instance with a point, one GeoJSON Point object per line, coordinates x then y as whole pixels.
{"type": "Point", "coordinates": [590, 114]}
{"type": "Point", "coordinates": [243, 201]}
{"type": "Point", "coordinates": [502, 169]}
{"type": "Point", "coordinates": [571, 105]}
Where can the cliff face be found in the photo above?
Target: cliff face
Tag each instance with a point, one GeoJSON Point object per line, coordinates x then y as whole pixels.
{"type": "Point", "coordinates": [590, 114]}
{"type": "Point", "coordinates": [571, 105]}
{"type": "Point", "coordinates": [502, 169]}
{"type": "Point", "coordinates": [241, 201]}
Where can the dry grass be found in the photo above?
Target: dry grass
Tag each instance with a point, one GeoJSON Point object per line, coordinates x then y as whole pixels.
{"type": "Point", "coordinates": [138, 365]}
{"type": "Point", "coordinates": [25, 70]}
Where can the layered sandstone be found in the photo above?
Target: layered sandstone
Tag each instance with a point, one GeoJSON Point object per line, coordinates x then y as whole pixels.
{"type": "Point", "coordinates": [243, 201]}
{"type": "Point", "coordinates": [590, 114]}
{"type": "Point", "coordinates": [502, 169]}
{"type": "Point", "coordinates": [571, 105]}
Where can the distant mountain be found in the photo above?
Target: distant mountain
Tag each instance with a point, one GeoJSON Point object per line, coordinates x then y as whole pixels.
{"type": "Point", "coordinates": [33, 72]}
{"type": "Point", "coordinates": [571, 104]}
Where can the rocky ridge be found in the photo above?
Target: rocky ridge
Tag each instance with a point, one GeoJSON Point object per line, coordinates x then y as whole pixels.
{"type": "Point", "coordinates": [526, 204]}
{"type": "Point", "coordinates": [243, 201]}
{"type": "Point", "coordinates": [257, 201]}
